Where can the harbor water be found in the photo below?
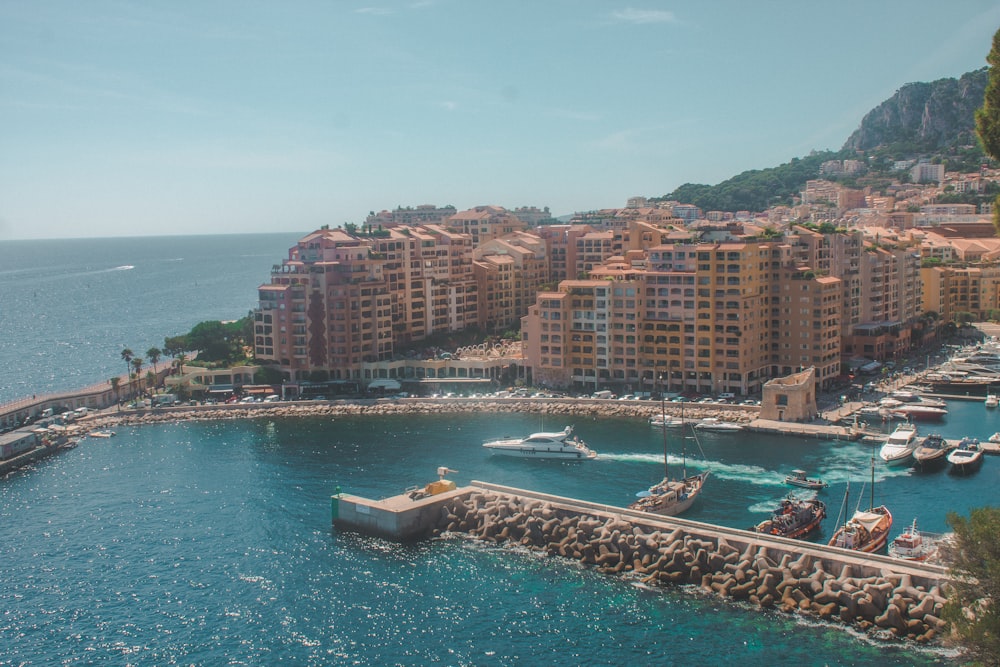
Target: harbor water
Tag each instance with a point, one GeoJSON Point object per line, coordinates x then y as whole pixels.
{"type": "Point", "coordinates": [210, 542]}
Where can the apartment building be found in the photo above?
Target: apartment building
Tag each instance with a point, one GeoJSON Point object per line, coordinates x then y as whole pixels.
{"type": "Point", "coordinates": [426, 214]}
{"type": "Point", "coordinates": [891, 304]}
{"type": "Point", "coordinates": [485, 223]}
{"type": "Point", "coordinates": [950, 290]}
{"type": "Point", "coordinates": [707, 317]}
{"type": "Point", "coordinates": [341, 300]}
{"type": "Point", "coordinates": [509, 273]}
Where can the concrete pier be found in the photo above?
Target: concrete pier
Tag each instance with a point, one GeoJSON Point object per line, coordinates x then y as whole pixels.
{"type": "Point", "coordinates": [870, 592]}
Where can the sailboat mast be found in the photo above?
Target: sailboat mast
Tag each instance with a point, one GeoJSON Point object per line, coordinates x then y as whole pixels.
{"type": "Point", "coordinates": [684, 458]}
{"type": "Point", "coordinates": [663, 428]}
{"type": "Point", "coordinates": [873, 481]}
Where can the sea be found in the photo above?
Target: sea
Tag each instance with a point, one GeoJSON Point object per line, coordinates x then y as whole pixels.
{"type": "Point", "coordinates": [210, 543]}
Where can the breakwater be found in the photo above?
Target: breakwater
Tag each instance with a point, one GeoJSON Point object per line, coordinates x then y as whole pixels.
{"type": "Point", "coordinates": [884, 596]}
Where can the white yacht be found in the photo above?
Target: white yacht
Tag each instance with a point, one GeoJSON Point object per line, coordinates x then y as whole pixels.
{"type": "Point", "coordinates": [666, 420]}
{"type": "Point", "coordinates": [899, 446]}
{"type": "Point", "coordinates": [559, 445]}
{"type": "Point", "coordinates": [717, 425]}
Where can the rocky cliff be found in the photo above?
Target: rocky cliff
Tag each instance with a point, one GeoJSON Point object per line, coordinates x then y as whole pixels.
{"type": "Point", "coordinates": [925, 116]}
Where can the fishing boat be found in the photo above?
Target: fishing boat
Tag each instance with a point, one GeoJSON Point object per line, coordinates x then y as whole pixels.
{"type": "Point", "coordinates": [932, 451]}
{"type": "Point", "coordinates": [793, 518]}
{"type": "Point", "coordinates": [967, 457]}
{"type": "Point", "coordinates": [798, 478]}
{"type": "Point", "coordinates": [867, 530]}
{"type": "Point", "coordinates": [916, 545]}
{"type": "Point", "coordinates": [558, 445]}
{"type": "Point", "coordinates": [898, 447]}
{"type": "Point", "coordinates": [670, 497]}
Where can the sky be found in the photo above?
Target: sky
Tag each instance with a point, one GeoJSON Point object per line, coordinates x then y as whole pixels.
{"type": "Point", "coordinates": [138, 118]}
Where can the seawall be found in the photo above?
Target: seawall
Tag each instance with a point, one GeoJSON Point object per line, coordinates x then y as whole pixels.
{"type": "Point", "coordinates": [869, 592]}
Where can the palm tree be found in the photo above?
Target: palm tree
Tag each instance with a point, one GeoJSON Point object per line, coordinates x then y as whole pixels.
{"type": "Point", "coordinates": [137, 365]}
{"type": "Point", "coordinates": [115, 386]}
{"type": "Point", "coordinates": [154, 354]}
{"type": "Point", "coordinates": [127, 355]}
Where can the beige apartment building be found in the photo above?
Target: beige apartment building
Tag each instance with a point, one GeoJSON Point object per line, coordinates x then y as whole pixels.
{"type": "Point", "coordinates": [949, 291]}
{"type": "Point", "coordinates": [707, 318]}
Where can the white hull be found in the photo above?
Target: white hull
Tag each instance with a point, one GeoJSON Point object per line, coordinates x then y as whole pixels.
{"type": "Point", "coordinates": [895, 455]}
{"type": "Point", "coordinates": [515, 449]}
{"type": "Point", "coordinates": [543, 446]}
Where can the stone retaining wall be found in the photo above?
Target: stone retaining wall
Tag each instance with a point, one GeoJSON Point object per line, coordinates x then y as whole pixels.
{"type": "Point", "coordinates": [378, 407]}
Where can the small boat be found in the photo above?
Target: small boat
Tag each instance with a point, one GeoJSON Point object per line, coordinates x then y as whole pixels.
{"type": "Point", "coordinates": [992, 400]}
{"type": "Point", "coordinates": [798, 478]}
{"type": "Point", "coordinates": [995, 438]}
{"type": "Point", "coordinates": [101, 434]}
{"type": "Point", "coordinates": [916, 545]}
{"type": "Point", "coordinates": [794, 518]}
{"type": "Point", "coordinates": [716, 425]}
{"type": "Point", "coordinates": [898, 447]}
{"type": "Point", "coordinates": [919, 412]}
{"type": "Point", "coordinates": [967, 457]}
{"type": "Point", "coordinates": [543, 445]}
{"type": "Point", "coordinates": [867, 530]}
{"type": "Point", "coordinates": [665, 420]}
{"type": "Point", "coordinates": [932, 450]}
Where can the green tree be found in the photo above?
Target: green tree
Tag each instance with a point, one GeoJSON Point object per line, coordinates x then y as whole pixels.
{"type": "Point", "coordinates": [154, 354]}
{"type": "Point", "coordinates": [972, 606]}
{"type": "Point", "coordinates": [988, 116]}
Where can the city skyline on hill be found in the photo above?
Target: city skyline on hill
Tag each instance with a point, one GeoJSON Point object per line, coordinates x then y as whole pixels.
{"type": "Point", "coordinates": [128, 120]}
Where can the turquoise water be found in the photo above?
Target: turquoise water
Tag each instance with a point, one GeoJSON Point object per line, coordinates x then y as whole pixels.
{"type": "Point", "coordinates": [210, 543]}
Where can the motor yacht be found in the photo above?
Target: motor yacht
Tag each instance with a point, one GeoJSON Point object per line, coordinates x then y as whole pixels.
{"type": "Point", "coordinates": [898, 447]}
{"type": "Point", "coordinates": [558, 445]}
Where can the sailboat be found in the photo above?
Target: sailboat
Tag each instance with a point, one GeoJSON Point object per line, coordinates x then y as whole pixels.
{"type": "Point", "coordinates": [671, 497]}
{"type": "Point", "coordinates": [866, 531]}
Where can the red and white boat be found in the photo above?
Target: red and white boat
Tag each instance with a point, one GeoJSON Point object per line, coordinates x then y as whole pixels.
{"type": "Point", "coordinates": [919, 412]}
{"type": "Point", "coordinates": [916, 545]}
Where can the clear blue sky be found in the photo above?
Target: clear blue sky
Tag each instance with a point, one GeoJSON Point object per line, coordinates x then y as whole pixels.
{"type": "Point", "coordinates": [121, 117]}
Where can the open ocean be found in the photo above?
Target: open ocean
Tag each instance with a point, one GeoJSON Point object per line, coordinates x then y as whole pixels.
{"type": "Point", "coordinates": [210, 543]}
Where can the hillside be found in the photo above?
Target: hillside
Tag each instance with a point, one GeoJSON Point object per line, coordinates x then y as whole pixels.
{"type": "Point", "coordinates": [920, 121]}
{"type": "Point", "coordinates": [924, 117]}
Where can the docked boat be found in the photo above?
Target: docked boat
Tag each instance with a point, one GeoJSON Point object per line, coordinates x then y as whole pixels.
{"type": "Point", "coordinates": [559, 445]}
{"type": "Point", "coordinates": [920, 412]}
{"type": "Point", "coordinates": [916, 545]}
{"type": "Point", "coordinates": [967, 457]}
{"type": "Point", "coordinates": [716, 425]}
{"type": "Point", "coordinates": [671, 496]}
{"type": "Point", "coordinates": [794, 518]}
{"type": "Point", "coordinates": [659, 421]}
{"type": "Point", "coordinates": [867, 530]}
{"type": "Point", "coordinates": [932, 451]}
{"type": "Point", "coordinates": [992, 400]}
{"type": "Point", "coordinates": [899, 446]}
{"type": "Point", "coordinates": [798, 478]}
